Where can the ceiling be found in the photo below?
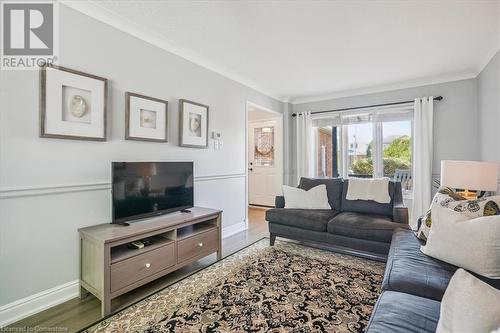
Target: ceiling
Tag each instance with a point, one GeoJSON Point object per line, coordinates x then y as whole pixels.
{"type": "Point", "coordinates": [307, 50]}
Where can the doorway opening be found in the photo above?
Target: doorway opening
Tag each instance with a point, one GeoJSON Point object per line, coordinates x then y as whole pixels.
{"type": "Point", "coordinates": [264, 158]}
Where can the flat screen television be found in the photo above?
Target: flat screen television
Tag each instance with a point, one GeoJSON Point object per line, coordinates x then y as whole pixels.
{"type": "Point", "coordinates": [144, 189]}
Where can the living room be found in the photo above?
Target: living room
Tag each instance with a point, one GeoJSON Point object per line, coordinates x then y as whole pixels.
{"type": "Point", "coordinates": [129, 159]}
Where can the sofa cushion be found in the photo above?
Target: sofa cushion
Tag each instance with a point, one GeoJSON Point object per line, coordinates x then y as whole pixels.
{"type": "Point", "coordinates": [410, 271]}
{"type": "Point", "coordinates": [403, 313]}
{"type": "Point", "coordinates": [310, 219]}
{"type": "Point", "coordinates": [370, 206]}
{"type": "Point", "coordinates": [364, 226]}
{"type": "Point", "coordinates": [333, 188]}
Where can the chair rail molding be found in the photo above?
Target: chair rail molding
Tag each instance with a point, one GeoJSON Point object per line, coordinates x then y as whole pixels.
{"type": "Point", "coordinates": [16, 192]}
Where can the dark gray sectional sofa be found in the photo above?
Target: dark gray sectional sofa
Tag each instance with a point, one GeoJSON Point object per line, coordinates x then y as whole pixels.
{"type": "Point", "coordinates": [412, 289]}
{"type": "Point", "coordinates": [358, 224]}
{"type": "Point", "coordinates": [413, 283]}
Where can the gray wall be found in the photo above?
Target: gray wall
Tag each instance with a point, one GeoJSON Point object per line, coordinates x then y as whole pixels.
{"type": "Point", "coordinates": [488, 95]}
{"type": "Point", "coordinates": [488, 88]}
{"type": "Point", "coordinates": [455, 117]}
{"type": "Point", "coordinates": [49, 188]}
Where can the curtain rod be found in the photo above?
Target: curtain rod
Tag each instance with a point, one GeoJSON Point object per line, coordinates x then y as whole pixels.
{"type": "Point", "coordinates": [438, 98]}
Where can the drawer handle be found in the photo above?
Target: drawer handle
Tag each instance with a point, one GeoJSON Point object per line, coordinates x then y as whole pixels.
{"type": "Point", "coordinates": [148, 265]}
{"type": "Point", "coordinates": [200, 244]}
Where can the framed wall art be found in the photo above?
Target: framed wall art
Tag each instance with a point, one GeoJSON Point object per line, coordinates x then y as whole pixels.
{"type": "Point", "coordinates": [72, 104]}
{"type": "Point", "coordinates": [193, 124]}
{"type": "Point", "coordinates": [146, 118]}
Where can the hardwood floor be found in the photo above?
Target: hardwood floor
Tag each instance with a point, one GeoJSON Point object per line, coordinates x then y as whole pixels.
{"type": "Point", "coordinates": [76, 314]}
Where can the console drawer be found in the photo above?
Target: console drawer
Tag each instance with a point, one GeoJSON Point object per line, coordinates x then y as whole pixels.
{"type": "Point", "coordinates": [204, 243]}
{"type": "Point", "coordinates": [131, 270]}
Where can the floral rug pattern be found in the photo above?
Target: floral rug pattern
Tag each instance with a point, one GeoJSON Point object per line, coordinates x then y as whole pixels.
{"type": "Point", "coordinates": [285, 288]}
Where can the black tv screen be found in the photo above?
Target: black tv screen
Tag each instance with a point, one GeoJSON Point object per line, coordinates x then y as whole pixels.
{"type": "Point", "coordinates": [143, 189]}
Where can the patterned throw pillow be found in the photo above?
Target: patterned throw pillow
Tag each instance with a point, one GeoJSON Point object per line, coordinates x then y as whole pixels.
{"type": "Point", "coordinates": [446, 197]}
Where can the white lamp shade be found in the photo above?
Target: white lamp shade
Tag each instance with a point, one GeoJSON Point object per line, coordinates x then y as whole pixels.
{"type": "Point", "coordinates": [470, 175]}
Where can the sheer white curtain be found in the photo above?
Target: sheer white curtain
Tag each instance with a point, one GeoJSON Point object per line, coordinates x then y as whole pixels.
{"type": "Point", "coordinates": [304, 145]}
{"type": "Point", "coordinates": [422, 157]}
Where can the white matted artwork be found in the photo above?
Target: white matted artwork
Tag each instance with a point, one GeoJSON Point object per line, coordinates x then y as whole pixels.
{"type": "Point", "coordinates": [194, 124]}
{"type": "Point", "coordinates": [72, 104]}
{"type": "Point", "coordinates": [146, 118]}
{"type": "Point", "coordinates": [77, 105]}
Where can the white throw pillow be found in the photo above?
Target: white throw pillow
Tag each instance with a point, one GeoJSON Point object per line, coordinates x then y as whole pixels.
{"type": "Point", "coordinates": [472, 244]}
{"type": "Point", "coordinates": [315, 198]}
{"type": "Point", "coordinates": [376, 189]}
{"type": "Point", "coordinates": [446, 197]}
{"type": "Point", "coordinates": [469, 305]}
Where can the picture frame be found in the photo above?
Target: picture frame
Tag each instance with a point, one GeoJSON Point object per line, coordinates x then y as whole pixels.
{"type": "Point", "coordinates": [146, 118]}
{"type": "Point", "coordinates": [193, 124]}
{"type": "Point", "coordinates": [72, 104]}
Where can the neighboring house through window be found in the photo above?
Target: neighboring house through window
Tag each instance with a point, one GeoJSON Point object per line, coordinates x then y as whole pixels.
{"type": "Point", "coordinates": [377, 143]}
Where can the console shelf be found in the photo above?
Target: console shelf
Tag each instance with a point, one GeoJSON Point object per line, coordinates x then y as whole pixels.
{"type": "Point", "coordinates": [122, 252]}
{"type": "Point", "coordinates": [195, 229]}
{"type": "Point", "coordinates": [109, 268]}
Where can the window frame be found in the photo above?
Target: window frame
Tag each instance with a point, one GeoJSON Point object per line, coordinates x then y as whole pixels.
{"type": "Point", "coordinates": [378, 138]}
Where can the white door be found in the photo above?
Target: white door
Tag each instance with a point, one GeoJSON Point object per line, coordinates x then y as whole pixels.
{"type": "Point", "coordinates": [265, 161]}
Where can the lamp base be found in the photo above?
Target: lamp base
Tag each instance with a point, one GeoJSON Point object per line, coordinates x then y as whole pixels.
{"type": "Point", "coordinates": [469, 195]}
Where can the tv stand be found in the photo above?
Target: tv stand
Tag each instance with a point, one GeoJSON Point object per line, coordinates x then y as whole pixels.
{"type": "Point", "coordinates": [109, 268]}
{"type": "Point", "coordinates": [186, 211]}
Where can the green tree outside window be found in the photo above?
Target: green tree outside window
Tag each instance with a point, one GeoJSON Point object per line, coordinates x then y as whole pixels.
{"type": "Point", "coordinates": [397, 155]}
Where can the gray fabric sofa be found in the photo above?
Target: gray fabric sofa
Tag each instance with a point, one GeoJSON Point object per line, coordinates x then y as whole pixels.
{"type": "Point", "coordinates": [357, 224]}
{"type": "Point", "coordinates": [412, 289]}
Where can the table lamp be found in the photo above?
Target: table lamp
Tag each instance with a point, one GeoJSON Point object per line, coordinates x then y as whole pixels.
{"type": "Point", "coordinates": [469, 175]}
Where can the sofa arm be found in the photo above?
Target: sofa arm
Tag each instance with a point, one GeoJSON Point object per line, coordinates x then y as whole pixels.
{"type": "Point", "coordinates": [279, 201]}
{"type": "Point", "coordinates": [400, 213]}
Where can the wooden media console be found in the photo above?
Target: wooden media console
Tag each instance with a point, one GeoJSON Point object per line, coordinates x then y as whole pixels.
{"type": "Point", "coordinates": [110, 268]}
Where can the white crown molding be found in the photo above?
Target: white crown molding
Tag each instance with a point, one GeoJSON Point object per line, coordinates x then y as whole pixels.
{"type": "Point", "coordinates": [100, 13]}
{"type": "Point", "coordinates": [388, 87]}
{"type": "Point", "coordinates": [487, 59]}
{"type": "Point", "coordinates": [25, 307]}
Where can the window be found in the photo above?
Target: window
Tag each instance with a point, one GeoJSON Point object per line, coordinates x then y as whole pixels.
{"type": "Point", "coordinates": [327, 160]}
{"type": "Point", "coordinates": [376, 144]}
{"type": "Point", "coordinates": [396, 147]}
{"type": "Point", "coordinates": [359, 161]}
{"type": "Point", "coordinates": [264, 146]}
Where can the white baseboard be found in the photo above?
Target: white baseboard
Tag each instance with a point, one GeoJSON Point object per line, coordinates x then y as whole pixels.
{"type": "Point", "coordinates": [25, 307]}
{"type": "Point", "coordinates": [22, 308]}
{"type": "Point", "coordinates": [234, 229]}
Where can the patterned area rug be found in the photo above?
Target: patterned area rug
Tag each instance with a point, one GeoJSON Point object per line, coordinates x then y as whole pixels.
{"type": "Point", "coordinates": [285, 288]}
